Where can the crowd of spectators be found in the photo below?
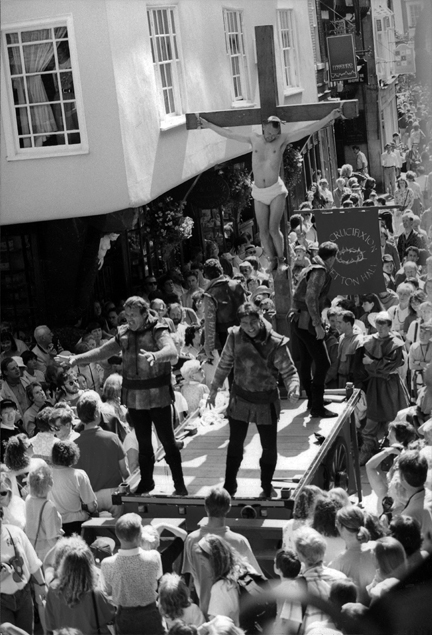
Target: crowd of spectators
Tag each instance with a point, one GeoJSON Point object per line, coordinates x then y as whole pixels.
{"type": "Point", "coordinates": [68, 442]}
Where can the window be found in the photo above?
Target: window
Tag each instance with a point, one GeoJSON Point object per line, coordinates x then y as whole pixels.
{"type": "Point", "coordinates": [166, 59]}
{"type": "Point", "coordinates": [235, 47]}
{"type": "Point", "coordinates": [414, 11]}
{"type": "Point", "coordinates": [43, 89]}
{"type": "Point", "coordinates": [289, 57]}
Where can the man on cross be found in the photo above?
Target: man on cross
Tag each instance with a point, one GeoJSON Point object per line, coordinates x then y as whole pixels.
{"type": "Point", "coordinates": [268, 190]}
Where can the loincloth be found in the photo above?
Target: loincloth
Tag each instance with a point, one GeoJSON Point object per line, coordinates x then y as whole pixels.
{"type": "Point", "coordinates": [267, 194]}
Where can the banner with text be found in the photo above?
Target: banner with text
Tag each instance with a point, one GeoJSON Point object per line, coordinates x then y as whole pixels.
{"type": "Point", "coordinates": [358, 266]}
{"type": "Point", "coordinates": [342, 57]}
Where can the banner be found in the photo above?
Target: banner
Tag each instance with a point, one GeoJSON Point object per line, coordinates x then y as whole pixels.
{"type": "Point", "coordinates": [358, 266]}
{"type": "Point", "coordinates": [342, 57]}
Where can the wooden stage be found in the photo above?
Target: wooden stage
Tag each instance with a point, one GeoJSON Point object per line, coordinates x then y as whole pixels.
{"type": "Point", "coordinates": [204, 454]}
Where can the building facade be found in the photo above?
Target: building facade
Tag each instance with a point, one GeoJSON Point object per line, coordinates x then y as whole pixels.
{"type": "Point", "coordinates": [94, 96]}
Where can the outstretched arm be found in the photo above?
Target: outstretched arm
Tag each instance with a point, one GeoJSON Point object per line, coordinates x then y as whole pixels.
{"type": "Point", "coordinates": [312, 127]}
{"type": "Point", "coordinates": [223, 132]}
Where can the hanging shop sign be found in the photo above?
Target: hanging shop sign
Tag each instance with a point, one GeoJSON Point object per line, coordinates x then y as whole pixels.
{"type": "Point", "coordinates": [404, 59]}
{"type": "Point", "coordinates": [342, 58]}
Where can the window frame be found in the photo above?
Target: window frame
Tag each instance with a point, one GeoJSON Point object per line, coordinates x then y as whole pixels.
{"type": "Point", "coordinates": [294, 66]}
{"type": "Point", "coordinates": [168, 120]}
{"type": "Point", "coordinates": [414, 10]}
{"type": "Point", "coordinates": [242, 57]}
{"type": "Point", "coordinates": [14, 151]}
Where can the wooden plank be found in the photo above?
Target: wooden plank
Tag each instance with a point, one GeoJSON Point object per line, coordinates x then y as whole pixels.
{"type": "Point", "coordinates": [226, 118]}
{"type": "Point", "coordinates": [316, 111]}
{"type": "Point", "coordinates": [267, 82]}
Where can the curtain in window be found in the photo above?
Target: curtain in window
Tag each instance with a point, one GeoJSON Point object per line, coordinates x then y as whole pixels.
{"type": "Point", "coordinates": [36, 59]}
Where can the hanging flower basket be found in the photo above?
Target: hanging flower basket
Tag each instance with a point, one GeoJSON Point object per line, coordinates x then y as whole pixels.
{"type": "Point", "coordinates": [293, 166]}
{"type": "Point", "coordinates": [163, 223]}
{"type": "Point", "coordinates": [240, 185]}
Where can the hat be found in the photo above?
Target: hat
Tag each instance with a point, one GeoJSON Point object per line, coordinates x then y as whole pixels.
{"type": "Point", "coordinates": [8, 403]}
{"type": "Point", "coordinates": [261, 290]}
{"type": "Point", "coordinates": [19, 361]}
{"type": "Point", "coordinates": [313, 246]}
{"type": "Point", "coordinates": [203, 543]}
{"type": "Point", "coordinates": [387, 258]}
{"type": "Point", "coordinates": [102, 548]}
{"type": "Point", "coordinates": [275, 119]}
{"type": "Point", "coordinates": [300, 247]}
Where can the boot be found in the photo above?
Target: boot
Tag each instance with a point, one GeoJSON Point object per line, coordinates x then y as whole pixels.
{"type": "Point", "coordinates": [146, 465]}
{"type": "Point", "coordinates": [267, 472]}
{"type": "Point", "coordinates": [232, 467]}
{"type": "Point", "coordinates": [175, 465]}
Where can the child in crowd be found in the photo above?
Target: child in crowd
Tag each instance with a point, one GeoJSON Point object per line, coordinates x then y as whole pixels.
{"type": "Point", "coordinates": [44, 523]}
{"type": "Point", "coordinates": [289, 614]}
{"type": "Point", "coordinates": [131, 578]}
{"type": "Point", "coordinates": [193, 389]}
{"type": "Point", "coordinates": [300, 257]}
{"type": "Point", "coordinates": [175, 603]}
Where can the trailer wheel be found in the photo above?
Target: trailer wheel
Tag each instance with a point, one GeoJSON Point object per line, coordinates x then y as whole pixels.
{"type": "Point", "coordinates": [336, 466]}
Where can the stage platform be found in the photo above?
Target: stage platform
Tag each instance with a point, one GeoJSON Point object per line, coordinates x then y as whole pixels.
{"type": "Point", "coordinates": [300, 455]}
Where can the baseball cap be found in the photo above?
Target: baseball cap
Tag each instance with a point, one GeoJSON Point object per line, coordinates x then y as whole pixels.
{"type": "Point", "coordinates": [8, 403]}
{"type": "Point", "coordinates": [274, 119]}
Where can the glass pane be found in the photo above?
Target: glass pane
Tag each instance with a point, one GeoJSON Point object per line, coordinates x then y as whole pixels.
{"type": "Point", "coordinates": [57, 112]}
{"type": "Point", "coordinates": [67, 85]}
{"type": "Point", "coordinates": [22, 121]}
{"type": "Point", "coordinates": [38, 57]}
{"type": "Point", "coordinates": [59, 139]}
{"type": "Point", "coordinates": [14, 60]}
{"type": "Point", "coordinates": [25, 142]}
{"type": "Point", "coordinates": [71, 116]}
{"type": "Point", "coordinates": [63, 55]}
{"type": "Point", "coordinates": [60, 32]}
{"type": "Point", "coordinates": [166, 101]}
{"type": "Point", "coordinates": [37, 87]}
{"type": "Point", "coordinates": [74, 138]}
{"type": "Point", "coordinates": [12, 38]}
{"type": "Point", "coordinates": [19, 91]}
{"type": "Point", "coordinates": [42, 118]}
{"type": "Point", "coordinates": [34, 36]}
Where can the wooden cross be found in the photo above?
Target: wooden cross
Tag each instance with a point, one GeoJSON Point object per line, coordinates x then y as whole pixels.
{"type": "Point", "coordinates": [269, 96]}
{"type": "Point", "coordinates": [290, 114]}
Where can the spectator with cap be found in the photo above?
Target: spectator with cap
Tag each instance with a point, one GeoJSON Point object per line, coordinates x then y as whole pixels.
{"type": "Point", "coordinates": [12, 386]}
{"type": "Point", "coordinates": [44, 349]}
{"type": "Point", "coordinates": [31, 373]}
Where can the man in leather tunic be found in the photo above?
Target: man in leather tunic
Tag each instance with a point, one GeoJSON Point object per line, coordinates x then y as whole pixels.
{"type": "Point", "coordinates": [148, 351]}
{"type": "Point", "coordinates": [307, 331]}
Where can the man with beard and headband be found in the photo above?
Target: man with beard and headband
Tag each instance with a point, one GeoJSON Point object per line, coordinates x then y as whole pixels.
{"type": "Point", "coordinates": [257, 355]}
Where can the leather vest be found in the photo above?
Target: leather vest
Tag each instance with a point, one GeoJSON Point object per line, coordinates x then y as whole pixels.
{"type": "Point", "coordinates": [228, 296]}
{"type": "Point", "coordinates": [299, 297]}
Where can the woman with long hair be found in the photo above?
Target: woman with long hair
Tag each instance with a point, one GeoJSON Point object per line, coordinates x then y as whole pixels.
{"type": "Point", "coordinates": [303, 513]}
{"type": "Point", "coordinates": [226, 566]}
{"type": "Point", "coordinates": [324, 522]}
{"type": "Point", "coordinates": [175, 603]}
{"type": "Point", "coordinates": [356, 562]}
{"type": "Point", "coordinates": [74, 599]}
